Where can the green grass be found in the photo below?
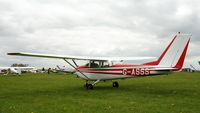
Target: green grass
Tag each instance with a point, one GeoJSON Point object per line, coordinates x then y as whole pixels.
{"type": "Point", "coordinates": [57, 93]}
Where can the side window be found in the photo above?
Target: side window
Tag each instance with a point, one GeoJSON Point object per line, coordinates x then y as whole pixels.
{"type": "Point", "coordinates": [94, 64]}
{"type": "Point", "coordinates": [105, 64]}
{"type": "Point", "coordinates": [87, 64]}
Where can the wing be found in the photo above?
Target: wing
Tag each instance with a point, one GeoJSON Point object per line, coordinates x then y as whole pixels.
{"type": "Point", "coordinates": [79, 57]}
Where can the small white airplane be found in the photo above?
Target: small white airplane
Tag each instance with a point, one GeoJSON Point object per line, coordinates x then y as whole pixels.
{"type": "Point", "coordinates": [65, 69]}
{"type": "Point", "coordinates": [14, 70]}
{"type": "Point", "coordinates": [102, 68]}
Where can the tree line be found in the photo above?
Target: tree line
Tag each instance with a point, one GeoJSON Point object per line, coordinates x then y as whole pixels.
{"type": "Point", "coordinates": [19, 65]}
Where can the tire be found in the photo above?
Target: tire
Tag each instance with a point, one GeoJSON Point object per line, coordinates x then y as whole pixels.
{"type": "Point", "coordinates": [115, 84]}
{"type": "Point", "coordinates": [88, 86]}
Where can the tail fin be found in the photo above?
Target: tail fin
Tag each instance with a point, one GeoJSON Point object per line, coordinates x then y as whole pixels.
{"type": "Point", "coordinates": [175, 53]}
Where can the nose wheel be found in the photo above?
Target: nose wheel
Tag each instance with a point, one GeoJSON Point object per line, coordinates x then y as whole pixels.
{"type": "Point", "coordinates": [88, 86]}
{"type": "Point", "coordinates": [115, 84]}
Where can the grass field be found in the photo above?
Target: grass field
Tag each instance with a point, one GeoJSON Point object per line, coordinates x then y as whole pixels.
{"type": "Point", "coordinates": [57, 93]}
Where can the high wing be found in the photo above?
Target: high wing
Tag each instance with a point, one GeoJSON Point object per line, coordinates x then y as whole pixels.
{"type": "Point", "coordinates": [79, 57]}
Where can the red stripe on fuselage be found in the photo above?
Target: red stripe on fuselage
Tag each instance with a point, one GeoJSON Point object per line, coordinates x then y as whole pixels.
{"type": "Point", "coordinates": [129, 72]}
{"type": "Point", "coordinates": [91, 69]}
{"type": "Point", "coordinates": [109, 73]}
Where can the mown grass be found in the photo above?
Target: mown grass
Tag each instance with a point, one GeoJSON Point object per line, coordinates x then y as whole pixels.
{"type": "Point", "coordinates": [57, 93]}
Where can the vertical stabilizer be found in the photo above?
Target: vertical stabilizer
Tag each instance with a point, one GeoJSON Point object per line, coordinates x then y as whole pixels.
{"type": "Point", "coordinates": [175, 53]}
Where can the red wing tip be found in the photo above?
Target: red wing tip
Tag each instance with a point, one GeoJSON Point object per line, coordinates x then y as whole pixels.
{"type": "Point", "coordinates": [12, 53]}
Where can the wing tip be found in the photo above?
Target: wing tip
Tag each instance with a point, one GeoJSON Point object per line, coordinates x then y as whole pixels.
{"type": "Point", "coordinates": [12, 53]}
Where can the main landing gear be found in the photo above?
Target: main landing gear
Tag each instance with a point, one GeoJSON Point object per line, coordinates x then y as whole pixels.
{"type": "Point", "coordinates": [115, 84]}
{"type": "Point", "coordinates": [90, 86]}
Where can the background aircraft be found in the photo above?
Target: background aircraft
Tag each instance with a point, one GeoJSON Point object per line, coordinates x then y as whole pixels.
{"type": "Point", "coordinates": [102, 68]}
{"type": "Point", "coordinates": [195, 66]}
{"type": "Point", "coordinates": [15, 70]}
{"type": "Point", "coordinates": [64, 69]}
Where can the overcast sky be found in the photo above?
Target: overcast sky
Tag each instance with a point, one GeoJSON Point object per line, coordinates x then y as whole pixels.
{"type": "Point", "coordinates": [95, 28]}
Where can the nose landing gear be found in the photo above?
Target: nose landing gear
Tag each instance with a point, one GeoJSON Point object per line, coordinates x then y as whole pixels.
{"type": "Point", "coordinates": [88, 86]}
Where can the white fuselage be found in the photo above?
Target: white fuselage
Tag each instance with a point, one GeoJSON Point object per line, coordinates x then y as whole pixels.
{"type": "Point", "coordinates": [110, 73]}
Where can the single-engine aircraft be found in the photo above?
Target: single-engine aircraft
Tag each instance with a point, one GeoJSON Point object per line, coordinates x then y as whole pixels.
{"type": "Point", "coordinates": [65, 70]}
{"type": "Point", "coordinates": [101, 68]}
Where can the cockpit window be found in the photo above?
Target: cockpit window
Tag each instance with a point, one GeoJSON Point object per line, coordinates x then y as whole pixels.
{"type": "Point", "coordinates": [96, 64]}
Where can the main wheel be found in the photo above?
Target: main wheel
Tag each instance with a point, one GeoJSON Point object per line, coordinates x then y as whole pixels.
{"type": "Point", "coordinates": [115, 84]}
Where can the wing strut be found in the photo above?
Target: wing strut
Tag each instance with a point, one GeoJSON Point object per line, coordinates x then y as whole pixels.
{"type": "Point", "coordinates": [75, 67]}
{"type": "Point", "coordinates": [74, 62]}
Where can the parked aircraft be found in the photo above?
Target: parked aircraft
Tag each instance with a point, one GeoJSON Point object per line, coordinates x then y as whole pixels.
{"type": "Point", "coordinates": [14, 70]}
{"type": "Point", "coordinates": [102, 68]}
{"type": "Point", "coordinates": [65, 69]}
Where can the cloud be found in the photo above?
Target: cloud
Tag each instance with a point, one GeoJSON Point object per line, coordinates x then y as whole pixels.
{"type": "Point", "coordinates": [94, 27]}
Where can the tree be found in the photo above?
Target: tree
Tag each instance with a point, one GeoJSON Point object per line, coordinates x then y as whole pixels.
{"type": "Point", "coordinates": [19, 65]}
